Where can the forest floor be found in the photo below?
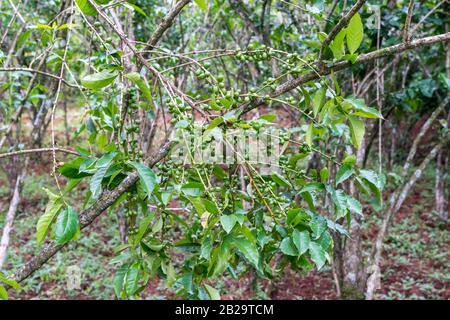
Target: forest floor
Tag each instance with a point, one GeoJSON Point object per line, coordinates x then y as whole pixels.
{"type": "Point", "coordinates": [415, 265]}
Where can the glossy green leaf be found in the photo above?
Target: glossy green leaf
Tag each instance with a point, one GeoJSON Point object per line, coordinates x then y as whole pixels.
{"type": "Point", "coordinates": [143, 226]}
{"type": "Point", "coordinates": [143, 87]}
{"type": "Point", "coordinates": [46, 220]}
{"type": "Point", "coordinates": [354, 205]}
{"type": "Point", "coordinates": [119, 279]}
{"type": "Point", "coordinates": [214, 294]}
{"type": "Point", "coordinates": [357, 130]}
{"type": "Point", "coordinates": [355, 33]}
{"type": "Point", "coordinates": [202, 4]}
{"type": "Point", "coordinates": [86, 7]}
{"type": "Point", "coordinates": [318, 255]}
{"type": "Point", "coordinates": [228, 222]}
{"type": "Point", "coordinates": [193, 189]}
{"type": "Point", "coordinates": [99, 80]}
{"type": "Point", "coordinates": [280, 180]}
{"type": "Point", "coordinates": [318, 225]}
{"type": "Point", "coordinates": [248, 249]}
{"type": "Point", "coordinates": [324, 173]}
{"type": "Point", "coordinates": [343, 173]}
{"type": "Point", "coordinates": [288, 247]}
{"type": "Point", "coordinates": [361, 110]}
{"type": "Point", "coordinates": [318, 100]}
{"type": "Point", "coordinates": [301, 240]}
{"type": "Point", "coordinates": [148, 178]}
{"type": "Point", "coordinates": [337, 46]}
{"type": "Point", "coordinates": [132, 279]}
{"type": "Point", "coordinates": [96, 182]}
{"type": "Point", "coordinates": [66, 225]}
{"type": "Point", "coordinates": [3, 293]}
{"type": "Point", "coordinates": [9, 282]}
{"type": "Point", "coordinates": [309, 135]}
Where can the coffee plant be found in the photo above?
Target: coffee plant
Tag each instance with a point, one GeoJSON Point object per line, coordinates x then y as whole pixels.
{"type": "Point", "coordinates": [172, 93]}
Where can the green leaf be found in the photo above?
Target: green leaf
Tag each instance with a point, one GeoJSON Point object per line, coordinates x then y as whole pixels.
{"type": "Point", "coordinates": [280, 180]}
{"type": "Point", "coordinates": [202, 4]}
{"type": "Point", "coordinates": [317, 254]}
{"type": "Point", "coordinates": [66, 225]}
{"type": "Point", "coordinates": [132, 279]}
{"type": "Point", "coordinates": [357, 130]}
{"type": "Point", "coordinates": [96, 181]}
{"type": "Point", "coordinates": [301, 240]}
{"type": "Point", "coordinates": [9, 282]}
{"type": "Point", "coordinates": [343, 173]}
{"type": "Point", "coordinates": [143, 226]}
{"type": "Point", "coordinates": [318, 225]}
{"type": "Point", "coordinates": [206, 248]}
{"type": "Point", "coordinates": [309, 135]}
{"type": "Point", "coordinates": [287, 247]}
{"type": "Point", "coordinates": [3, 293]}
{"type": "Point", "coordinates": [325, 241]}
{"type": "Point", "coordinates": [193, 189]}
{"type": "Point", "coordinates": [340, 201]}
{"type": "Point", "coordinates": [98, 80]}
{"type": "Point", "coordinates": [158, 225]}
{"type": "Point", "coordinates": [354, 205]}
{"type": "Point", "coordinates": [228, 222]}
{"type": "Point", "coordinates": [372, 177]}
{"type": "Point", "coordinates": [134, 7]}
{"type": "Point", "coordinates": [374, 181]}
{"type": "Point", "coordinates": [349, 160]}
{"type": "Point", "coordinates": [214, 123]}
{"type": "Point", "coordinates": [119, 279]}
{"type": "Point", "coordinates": [248, 249]}
{"type": "Point", "coordinates": [324, 173]}
{"type": "Point", "coordinates": [46, 220]}
{"type": "Point", "coordinates": [318, 100]}
{"type": "Point", "coordinates": [362, 110]}
{"type": "Point", "coordinates": [86, 7]}
{"type": "Point", "coordinates": [102, 140]}
{"type": "Point", "coordinates": [310, 198]}
{"type": "Point", "coordinates": [337, 45]}
{"type": "Point", "coordinates": [309, 192]}
{"type": "Point", "coordinates": [136, 78]}
{"type": "Point", "coordinates": [355, 33]}
{"type": "Point", "coordinates": [214, 294]}
{"type": "Point", "coordinates": [148, 178]}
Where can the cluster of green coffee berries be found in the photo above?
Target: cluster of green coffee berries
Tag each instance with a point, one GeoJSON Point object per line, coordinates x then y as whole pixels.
{"type": "Point", "coordinates": [202, 74]}
{"type": "Point", "coordinates": [255, 53]}
{"type": "Point", "coordinates": [291, 100]}
{"type": "Point", "coordinates": [304, 148]}
{"type": "Point", "coordinates": [131, 215]}
{"type": "Point", "coordinates": [170, 169]}
{"type": "Point", "coordinates": [178, 107]}
{"type": "Point", "coordinates": [284, 136]}
{"type": "Point", "coordinates": [268, 190]}
{"type": "Point", "coordinates": [294, 64]}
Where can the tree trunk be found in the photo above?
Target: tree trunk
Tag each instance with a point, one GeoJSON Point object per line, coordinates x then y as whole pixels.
{"type": "Point", "coordinates": [4, 243]}
{"type": "Point", "coordinates": [441, 181]}
{"type": "Point", "coordinates": [352, 278]}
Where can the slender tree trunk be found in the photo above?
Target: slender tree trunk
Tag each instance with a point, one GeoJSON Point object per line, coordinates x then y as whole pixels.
{"type": "Point", "coordinates": [441, 182]}
{"type": "Point", "coordinates": [4, 243]}
{"type": "Point", "coordinates": [353, 274]}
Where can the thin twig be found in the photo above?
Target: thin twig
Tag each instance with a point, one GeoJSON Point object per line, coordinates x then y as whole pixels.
{"type": "Point", "coordinates": [40, 150]}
